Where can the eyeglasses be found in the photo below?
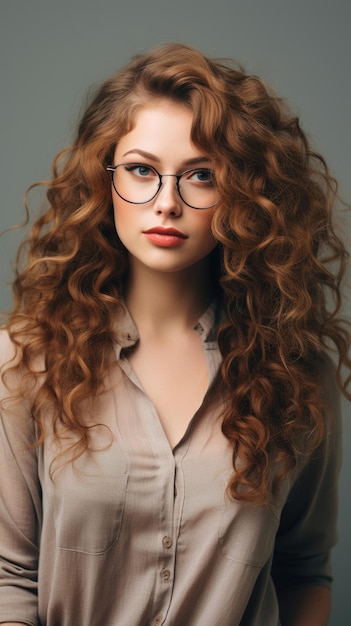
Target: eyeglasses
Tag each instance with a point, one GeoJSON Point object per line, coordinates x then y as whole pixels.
{"type": "Point", "coordinates": [139, 183]}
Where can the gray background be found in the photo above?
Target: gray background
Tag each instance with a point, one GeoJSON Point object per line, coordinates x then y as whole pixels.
{"type": "Point", "coordinates": [52, 51]}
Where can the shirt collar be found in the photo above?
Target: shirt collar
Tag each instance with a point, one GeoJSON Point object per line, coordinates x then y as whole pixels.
{"type": "Point", "coordinates": [126, 333]}
{"type": "Point", "coordinates": [207, 326]}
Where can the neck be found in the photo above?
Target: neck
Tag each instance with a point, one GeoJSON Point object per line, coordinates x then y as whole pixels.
{"type": "Point", "coordinates": [159, 301]}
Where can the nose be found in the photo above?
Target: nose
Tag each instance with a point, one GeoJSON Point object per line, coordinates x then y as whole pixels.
{"type": "Point", "coordinates": [168, 200]}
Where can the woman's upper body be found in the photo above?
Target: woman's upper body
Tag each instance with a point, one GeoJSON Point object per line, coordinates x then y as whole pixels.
{"type": "Point", "coordinates": [138, 532]}
{"type": "Point", "coordinates": [169, 432]}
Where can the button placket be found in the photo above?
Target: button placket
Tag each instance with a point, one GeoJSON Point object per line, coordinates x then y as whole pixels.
{"type": "Point", "coordinates": [170, 517]}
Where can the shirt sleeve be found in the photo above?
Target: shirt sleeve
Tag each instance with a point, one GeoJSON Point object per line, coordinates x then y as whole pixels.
{"type": "Point", "coordinates": [308, 526]}
{"type": "Point", "coordinates": [20, 510]}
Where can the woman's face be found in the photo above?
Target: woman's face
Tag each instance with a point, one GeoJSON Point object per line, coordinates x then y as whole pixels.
{"type": "Point", "coordinates": [163, 234]}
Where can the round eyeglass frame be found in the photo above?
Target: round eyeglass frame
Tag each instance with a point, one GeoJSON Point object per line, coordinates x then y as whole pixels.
{"type": "Point", "coordinates": [112, 169]}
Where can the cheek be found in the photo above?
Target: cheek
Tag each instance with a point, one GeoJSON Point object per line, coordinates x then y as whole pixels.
{"type": "Point", "coordinates": [122, 218]}
{"type": "Point", "coordinates": [205, 230]}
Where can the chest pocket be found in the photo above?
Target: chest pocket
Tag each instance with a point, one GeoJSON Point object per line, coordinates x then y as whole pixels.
{"type": "Point", "coordinates": [88, 505]}
{"type": "Point", "coordinates": [247, 532]}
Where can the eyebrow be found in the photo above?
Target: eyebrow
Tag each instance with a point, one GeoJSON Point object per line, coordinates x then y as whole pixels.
{"type": "Point", "coordinates": [153, 157]}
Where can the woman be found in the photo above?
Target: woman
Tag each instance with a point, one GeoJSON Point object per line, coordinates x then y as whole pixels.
{"type": "Point", "coordinates": [169, 434]}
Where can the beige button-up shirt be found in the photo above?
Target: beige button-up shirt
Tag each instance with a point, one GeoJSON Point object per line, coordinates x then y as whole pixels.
{"type": "Point", "coordinates": [138, 534]}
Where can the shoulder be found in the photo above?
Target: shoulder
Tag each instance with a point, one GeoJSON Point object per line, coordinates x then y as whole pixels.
{"type": "Point", "coordinates": [9, 365]}
{"type": "Point", "coordinates": [10, 362]}
{"type": "Point", "coordinates": [7, 348]}
{"type": "Point", "coordinates": [17, 380]}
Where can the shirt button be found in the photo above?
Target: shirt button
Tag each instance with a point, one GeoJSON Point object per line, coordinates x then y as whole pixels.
{"type": "Point", "coordinates": [166, 542]}
{"type": "Point", "coordinates": [158, 621]}
{"type": "Point", "coordinates": [165, 574]}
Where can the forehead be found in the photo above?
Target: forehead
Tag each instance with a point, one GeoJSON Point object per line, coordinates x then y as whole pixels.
{"type": "Point", "coordinates": [163, 128]}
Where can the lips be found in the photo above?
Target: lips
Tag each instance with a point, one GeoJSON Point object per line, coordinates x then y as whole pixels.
{"type": "Point", "coordinates": [165, 237]}
{"type": "Point", "coordinates": [159, 230]}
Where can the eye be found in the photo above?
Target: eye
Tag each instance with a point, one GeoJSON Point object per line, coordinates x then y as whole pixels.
{"type": "Point", "coordinates": [141, 170]}
{"type": "Point", "coordinates": [201, 176]}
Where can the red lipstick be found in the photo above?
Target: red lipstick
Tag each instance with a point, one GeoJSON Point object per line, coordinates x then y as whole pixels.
{"type": "Point", "coordinates": [165, 237]}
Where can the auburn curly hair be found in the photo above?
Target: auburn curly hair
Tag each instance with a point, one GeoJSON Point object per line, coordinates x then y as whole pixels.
{"type": "Point", "coordinates": [280, 263]}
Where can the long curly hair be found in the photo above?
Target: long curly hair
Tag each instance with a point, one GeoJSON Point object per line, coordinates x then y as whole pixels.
{"type": "Point", "coordinates": [280, 263]}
